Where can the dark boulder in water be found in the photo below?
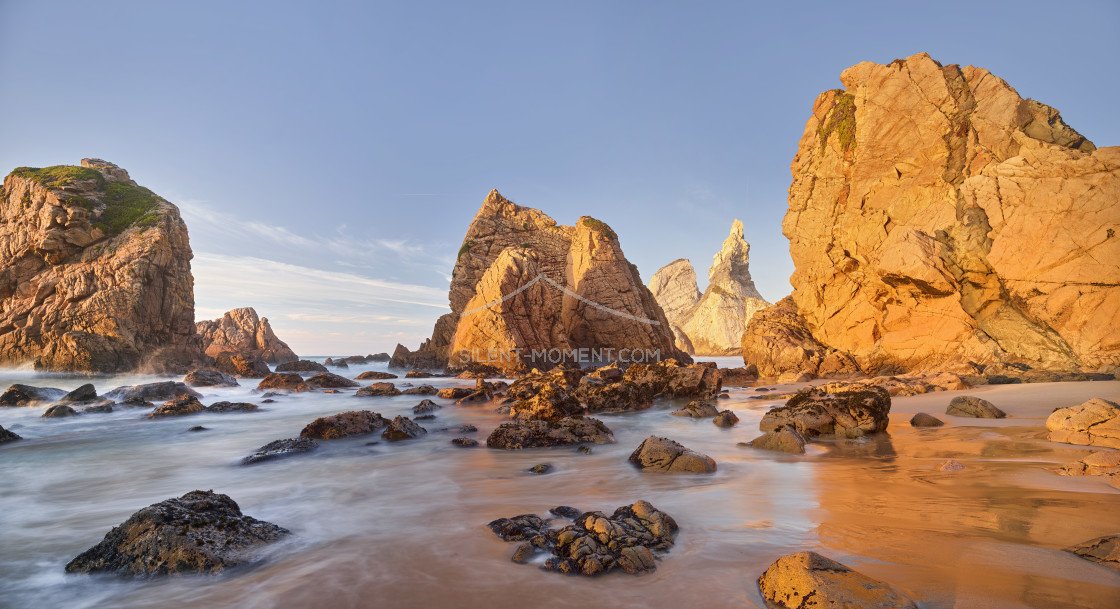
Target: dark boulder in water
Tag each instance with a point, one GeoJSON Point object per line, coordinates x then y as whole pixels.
{"type": "Point", "coordinates": [206, 377]}
{"type": "Point", "coordinates": [59, 411]}
{"type": "Point", "coordinates": [301, 366]}
{"type": "Point", "coordinates": [232, 407]}
{"type": "Point", "coordinates": [279, 449]}
{"type": "Point", "coordinates": [85, 393]}
{"type": "Point", "coordinates": [562, 432]}
{"type": "Point", "coordinates": [11, 436]}
{"type": "Point", "coordinates": [201, 532]}
{"type": "Point", "coordinates": [403, 428]}
{"type": "Point", "coordinates": [344, 424]}
{"type": "Point", "coordinates": [26, 395]}
{"type": "Point", "coordinates": [151, 392]}
{"type": "Point", "coordinates": [180, 406]}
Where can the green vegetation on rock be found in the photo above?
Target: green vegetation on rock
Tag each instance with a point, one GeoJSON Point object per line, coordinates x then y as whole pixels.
{"type": "Point", "coordinates": [466, 248]}
{"type": "Point", "coordinates": [125, 205]}
{"type": "Point", "coordinates": [58, 175]}
{"type": "Point", "coordinates": [841, 119]}
{"type": "Point", "coordinates": [600, 226]}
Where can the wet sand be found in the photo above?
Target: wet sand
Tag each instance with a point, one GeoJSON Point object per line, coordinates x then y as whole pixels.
{"type": "Point", "coordinates": [402, 525]}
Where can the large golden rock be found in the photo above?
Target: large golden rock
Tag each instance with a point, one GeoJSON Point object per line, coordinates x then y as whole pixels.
{"type": "Point", "coordinates": [95, 273]}
{"type": "Point", "coordinates": [937, 218]}
{"type": "Point", "coordinates": [242, 332]}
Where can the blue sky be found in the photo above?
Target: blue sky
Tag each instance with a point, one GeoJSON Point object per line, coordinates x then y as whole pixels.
{"type": "Point", "coordinates": [328, 156]}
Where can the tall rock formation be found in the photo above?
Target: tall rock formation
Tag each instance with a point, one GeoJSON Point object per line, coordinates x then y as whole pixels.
{"type": "Point", "coordinates": [713, 324]}
{"type": "Point", "coordinates": [674, 288]}
{"type": "Point", "coordinates": [95, 273]}
{"type": "Point", "coordinates": [522, 282]}
{"type": "Point", "coordinates": [241, 332]}
{"type": "Point", "coordinates": [937, 218]}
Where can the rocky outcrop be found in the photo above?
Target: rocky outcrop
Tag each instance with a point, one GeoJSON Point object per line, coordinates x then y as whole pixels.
{"type": "Point", "coordinates": [937, 218]}
{"type": "Point", "coordinates": [242, 365]}
{"type": "Point", "coordinates": [807, 579]}
{"type": "Point", "coordinates": [177, 407]}
{"type": "Point", "coordinates": [848, 411]}
{"type": "Point", "coordinates": [523, 283]}
{"type": "Point", "coordinates": [200, 532]}
{"type": "Point", "coordinates": [344, 424]}
{"type": "Point", "coordinates": [923, 419]}
{"type": "Point", "coordinates": [290, 381]}
{"type": "Point", "coordinates": [784, 438]}
{"type": "Point", "coordinates": [7, 435]}
{"type": "Point", "coordinates": [241, 332]}
{"type": "Point", "coordinates": [1104, 463]}
{"type": "Point", "coordinates": [714, 324]}
{"type": "Point", "coordinates": [301, 365]}
{"type": "Point", "coordinates": [59, 411]}
{"type": "Point", "coordinates": [27, 395]}
{"type": "Point", "coordinates": [674, 288]}
{"type": "Point", "coordinates": [1094, 423]}
{"type": "Point", "coordinates": [972, 406]}
{"type": "Point", "coordinates": [777, 341]}
{"type": "Point", "coordinates": [540, 434]}
{"type": "Point", "coordinates": [663, 454]}
{"type": "Point", "coordinates": [151, 392]}
{"type": "Point", "coordinates": [95, 273]}
{"type": "Point", "coordinates": [402, 428]}
{"type": "Point", "coordinates": [1102, 550]}
{"type": "Point", "coordinates": [206, 377]}
{"type": "Point", "coordinates": [385, 389]}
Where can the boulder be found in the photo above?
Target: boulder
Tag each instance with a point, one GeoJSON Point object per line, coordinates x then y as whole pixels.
{"type": "Point", "coordinates": [290, 381]}
{"type": "Point", "coordinates": [301, 365]}
{"type": "Point", "coordinates": [8, 435]}
{"type": "Point", "coordinates": [59, 411]}
{"type": "Point", "coordinates": [85, 393]}
{"type": "Point", "coordinates": [344, 424]}
{"type": "Point", "coordinates": [381, 389]}
{"type": "Point", "coordinates": [418, 374]}
{"type": "Point", "coordinates": [94, 273]}
{"type": "Point", "coordinates": [1104, 551]}
{"type": "Point", "coordinates": [99, 408]}
{"type": "Point", "coordinates": [374, 375]}
{"type": "Point", "coordinates": [242, 332]}
{"type": "Point", "coordinates": [541, 468]}
{"type": "Point", "coordinates": [697, 409]}
{"type": "Point", "coordinates": [1093, 423]}
{"type": "Point", "coordinates": [725, 418]}
{"type": "Point", "coordinates": [425, 406]}
{"type": "Point", "coordinates": [232, 407]}
{"type": "Point", "coordinates": [280, 449]}
{"type": "Point", "coordinates": [925, 420]}
{"type": "Point", "coordinates": [1105, 463]}
{"type": "Point", "coordinates": [242, 365]}
{"type": "Point", "coordinates": [617, 395]}
{"type": "Point", "coordinates": [200, 532]}
{"type": "Point", "coordinates": [784, 438]}
{"type": "Point", "coordinates": [182, 405]}
{"type": "Point", "coordinates": [952, 465]}
{"type": "Point", "coordinates": [561, 432]}
{"type": "Point", "coordinates": [454, 393]}
{"type": "Point", "coordinates": [845, 410]}
{"type": "Point", "coordinates": [26, 395]}
{"type": "Point", "coordinates": [551, 403]}
{"type": "Point", "coordinates": [464, 442]}
{"type": "Point", "coordinates": [402, 428]}
{"type": "Point", "coordinates": [207, 377]}
{"type": "Point", "coordinates": [936, 218]}
{"type": "Point", "coordinates": [663, 454]}
{"type": "Point", "coordinates": [970, 406]}
{"type": "Point", "coordinates": [807, 579]}
{"type": "Point", "coordinates": [421, 390]}
{"type": "Point", "coordinates": [151, 392]}
{"type": "Point", "coordinates": [670, 379]}
{"type": "Point", "coordinates": [739, 377]}
{"type": "Point", "coordinates": [328, 380]}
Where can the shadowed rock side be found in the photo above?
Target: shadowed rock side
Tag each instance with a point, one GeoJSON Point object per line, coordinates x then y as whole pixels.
{"type": "Point", "coordinates": [602, 303]}
{"type": "Point", "coordinates": [95, 273]}
{"type": "Point", "coordinates": [242, 332]}
{"type": "Point", "coordinates": [937, 218]}
{"type": "Point", "coordinates": [714, 324]}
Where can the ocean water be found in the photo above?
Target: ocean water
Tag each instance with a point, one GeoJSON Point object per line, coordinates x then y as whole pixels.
{"type": "Point", "coordinates": [403, 524]}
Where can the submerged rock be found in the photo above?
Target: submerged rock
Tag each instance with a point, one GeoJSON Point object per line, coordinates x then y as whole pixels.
{"type": "Point", "coordinates": [541, 468]}
{"type": "Point", "coordinates": [374, 375]}
{"type": "Point", "coordinates": [807, 579]}
{"type": "Point", "coordinates": [207, 377]}
{"type": "Point", "coordinates": [402, 428]}
{"type": "Point", "coordinates": [344, 424]}
{"type": "Point", "coordinates": [6, 435]}
{"type": "Point", "coordinates": [378, 390]}
{"type": "Point", "coordinates": [301, 365]}
{"type": "Point", "coordinates": [925, 420]}
{"type": "Point", "coordinates": [151, 392]}
{"type": "Point", "coordinates": [99, 408]}
{"type": "Point", "coordinates": [200, 532]}
{"type": "Point", "coordinates": [421, 390]}
{"type": "Point", "coordinates": [232, 407]}
{"type": "Point", "coordinates": [971, 406]}
{"type": "Point", "coordinates": [697, 409]}
{"type": "Point", "coordinates": [464, 442]}
{"type": "Point", "coordinates": [726, 418]}
{"type": "Point", "coordinates": [784, 438]}
{"type": "Point", "coordinates": [845, 410]}
{"type": "Point", "coordinates": [562, 432]}
{"type": "Point", "coordinates": [952, 465]}
{"type": "Point", "coordinates": [85, 393]}
{"type": "Point", "coordinates": [663, 454]}
{"type": "Point", "coordinates": [280, 449]}
{"type": "Point", "coordinates": [425, 406]}
{"type": "Point", "coordinates": [1104, 551]}
{"type": "Point", "coordinates": [182, 405]}
{"type": "Point", "coordinates": [290, 381]}
{"type": "Point", "coordinates": [566, 511]}
{"type": "Point", "coordinates": [59, 411]}
{"type": "Point", "coordinates": [1094, 423]}
{"type": "Point", "coordinates": [26, 395]}
{"type": "Point", "coordinates": [329, 380]}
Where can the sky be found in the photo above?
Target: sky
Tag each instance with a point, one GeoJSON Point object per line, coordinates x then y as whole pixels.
{"type": "Point", "coordinates": [328, 157]}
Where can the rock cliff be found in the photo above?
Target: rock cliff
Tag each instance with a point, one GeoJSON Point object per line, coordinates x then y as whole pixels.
{"type": "Point", "coordinates": [242, 332]}
{"type": "Point", "coordinates": [712, 324]}
{"type": "Point", "coordinates": [94, 273]}
{"type": "Point", "coordinates": [937, 219]}
{"type": "Point", "coordinates": [522, 282]}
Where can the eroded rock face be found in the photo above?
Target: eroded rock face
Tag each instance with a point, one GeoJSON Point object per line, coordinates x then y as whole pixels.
{"type": "Point", "coordinates": [937, 218]}
{"type": "Point", "coordinates": [807, 579]}
{"type": "Point", "coordinates": [280, 449]}
{"type": "Point", "coordinates": [845, 410]}
{"type": "Point", "coordinates": [200, 532]}
{"type": "Point", "coordinates": [242, 332]}
{"type": "Point", "coordinates": [206, 377]}
{"type": "Point", "coordinates": [539, 434]}
{"type": "Point", "coordinates": [663, 454]}
{"type": "Point", "coordinates": [714, 324]}
{"type": "Point", "coordinates": [674, 288]}
{"type": "Point", "coordinates": [94, 273]}
{"type": "Point", "coordinates": [1094, 423]}
{"type": "Point", "coordinates": [344, 424]}
{"type": "Point", "coordinates": [522, 282]}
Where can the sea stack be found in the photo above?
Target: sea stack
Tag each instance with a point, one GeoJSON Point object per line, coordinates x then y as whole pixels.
{"type": "Point", "coordinates": [242, 332]}
{"type": "Point", "coordinates": [95, 273]}
{"type": "Point", "coordinates": [936, 220]}
{"type": "Point", "coordinates": [523, 283]}
{"type": "Point", "coordinates": [711, 324]}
